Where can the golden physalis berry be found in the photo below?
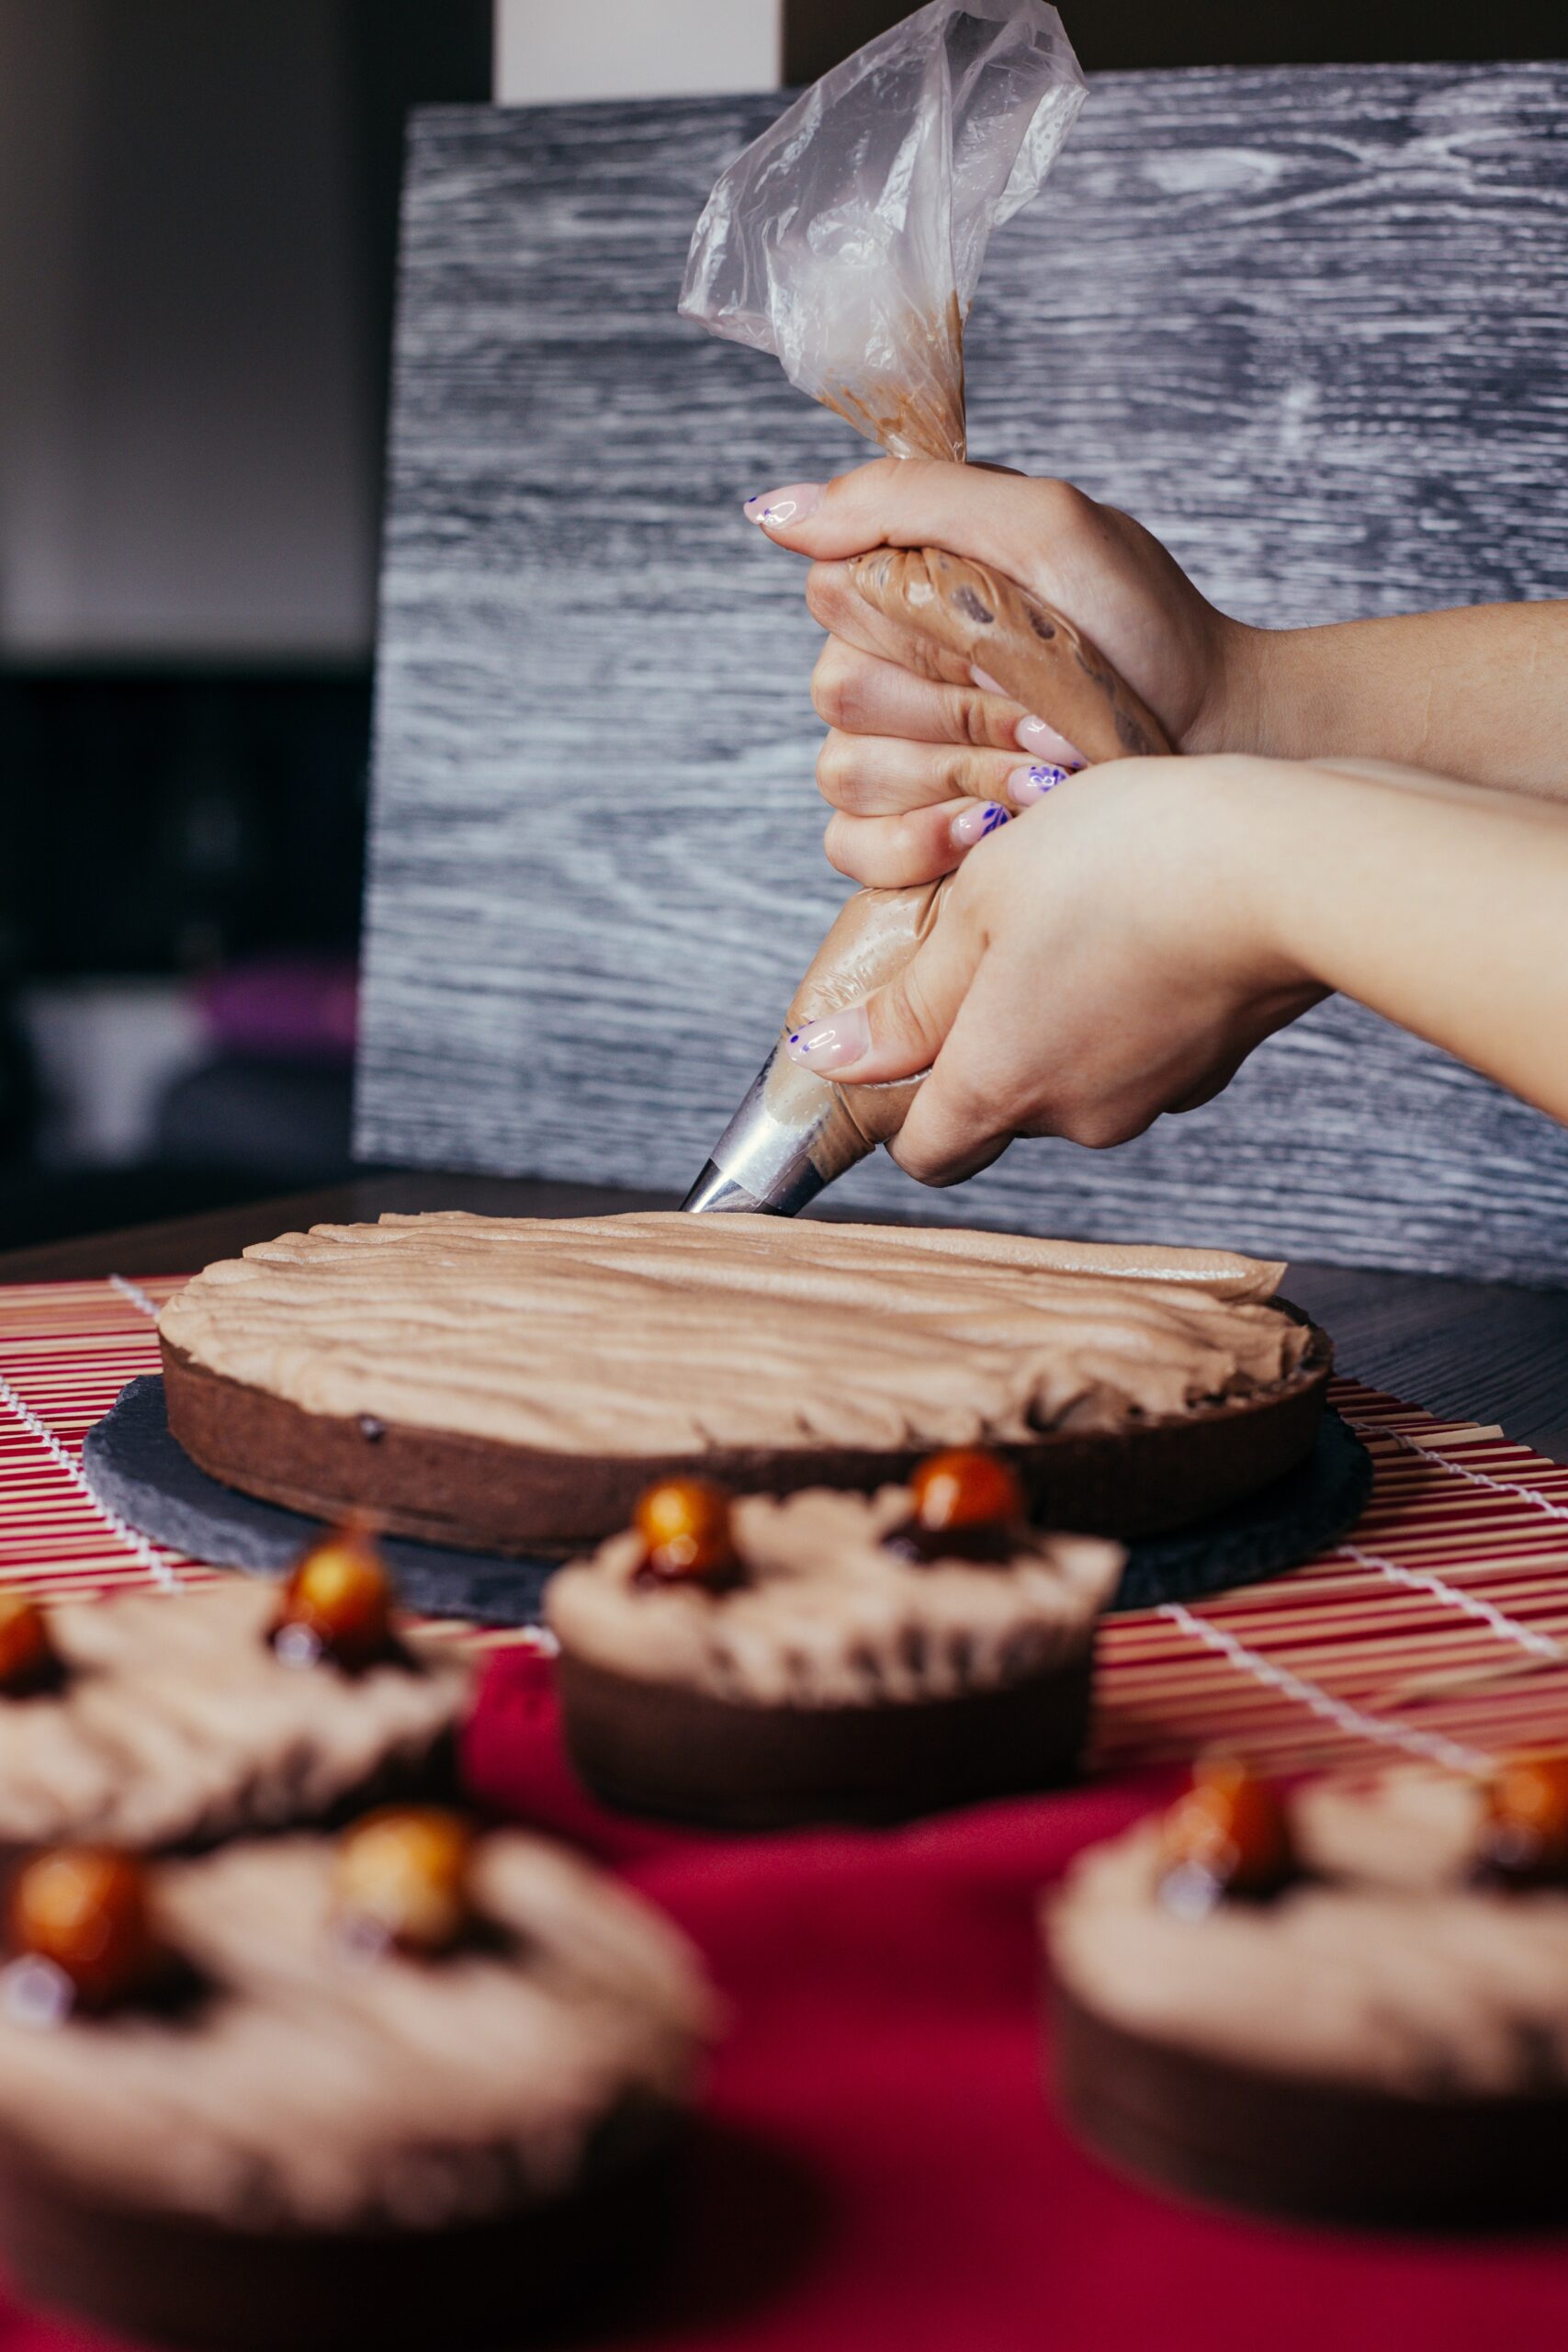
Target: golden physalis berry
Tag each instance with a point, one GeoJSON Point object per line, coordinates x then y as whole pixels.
{"type": "Point", "coordinates": [401, 1881]}
{"type": "Point", "coordinates": [28, 1657]}
{"type": "Point", "coordinates": [967, 1489]}
{"type": "Point", "coordinates": [1228, 1836]}
{"type": "Point", "coordinates": [337, 1604]}
{"type": "Point", "coordinates": [82, 1911]}
{"type": "Point", "coordinates": [1524, 1837]}
{"type": "Point", "coordinates": [687, 1535]}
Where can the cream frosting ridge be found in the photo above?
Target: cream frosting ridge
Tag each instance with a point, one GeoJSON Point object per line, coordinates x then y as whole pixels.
{"type": "Point", "coordinates": [175, 1723]}
{"type": "Point", "coordinates": [829, 1617]}
{"type": "Point", "coordinates": [665, 1334]}
{"type": "Point", "coordinates": [312, 2089]}
{"type": "Point", "coordinates": [1389, 1970]}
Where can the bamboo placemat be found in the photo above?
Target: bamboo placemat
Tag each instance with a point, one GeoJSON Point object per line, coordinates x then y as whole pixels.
{"type": "Point", "coordinates": [1439, 1629]}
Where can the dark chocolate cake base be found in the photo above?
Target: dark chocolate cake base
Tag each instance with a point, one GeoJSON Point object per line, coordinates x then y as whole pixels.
{"type": "Point", "coordinates": [169, 2279]}
{"type": "Point", "coordinates": [444, 1487]}
{"type": "Point", "coordinates": [1225, 2135]}
{"type": "Point", "coordinates": [660, 1748]}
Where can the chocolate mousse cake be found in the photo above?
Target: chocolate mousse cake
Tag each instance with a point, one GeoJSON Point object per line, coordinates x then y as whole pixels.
{"type": "Point", "coordinates": [417, 2088]}
{"type": "Point", "coordinates": [178, 1720]}
{"type": "Point", "coordinates": [1349, 2006]}
{"type": "Point", "coordinates": [511, 1385]}
{"type": "Point", "coordinates": [825, 1657]}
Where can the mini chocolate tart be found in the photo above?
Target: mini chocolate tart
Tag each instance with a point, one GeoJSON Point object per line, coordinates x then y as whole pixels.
{"type": "Point", "coordinates": [511, 1385]}
{"type": "Point", "coordinates": [175, 1721]}
{"type": "Point", "coordinates": [830, 1676]}
{"type": "Point", "coordinates": [1383, 2040]}
{"type": "Point", "coordinates": [340, 2145]}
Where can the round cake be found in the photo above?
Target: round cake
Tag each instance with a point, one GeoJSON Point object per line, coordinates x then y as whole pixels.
{"type": "Point", "coordinates": [513, 1385]}
{"type": "Point", "coordinates": [829, 1656]}
{"type": "Point", "coordinates": [304, 2132]}
{"type": "Point", "coordinates": [1375, 2029]}
{"type": "Point", "coordinates": [178, 1720]}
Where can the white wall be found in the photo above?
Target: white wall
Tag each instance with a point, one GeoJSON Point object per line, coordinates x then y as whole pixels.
{"type": "Point", "coordinates": [634, 48]}
{"type": "Point", "coordinates": [186, 454]}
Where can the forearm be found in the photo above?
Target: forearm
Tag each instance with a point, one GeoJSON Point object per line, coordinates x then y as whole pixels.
{"type": "Point", "coordinates": [1481, 694]}
{"type": "Point", "coordinates": [1448, 912]}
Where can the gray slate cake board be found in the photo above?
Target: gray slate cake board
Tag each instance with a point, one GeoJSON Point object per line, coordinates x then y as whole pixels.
{"type": "Point", "coordinates": [134, 1466]}
{"type": "Point", "coordinates": [1307, 323]}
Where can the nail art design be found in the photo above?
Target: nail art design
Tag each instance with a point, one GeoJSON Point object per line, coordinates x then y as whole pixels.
{"type": "Point", "coordinates": [793, 503]}
{"type": "Point", "coordinates": [971, 824]}
{"type": "Point", "coordinates": [1028, 785]}
{"type": "Point", "coordinates": [835, 1042]}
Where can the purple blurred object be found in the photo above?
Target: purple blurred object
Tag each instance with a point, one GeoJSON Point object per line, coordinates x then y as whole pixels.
{"type": "Point", "coordinates": [284, 1007]}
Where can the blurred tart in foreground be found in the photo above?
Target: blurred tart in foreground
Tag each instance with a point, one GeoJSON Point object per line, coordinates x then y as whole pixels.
{"type": "Point", "coordinates": [176, 1720]}
{"type": "Point", "coordinates": [418, 2087]}
{"type": "Point", "coordinates": [1351, 2005]}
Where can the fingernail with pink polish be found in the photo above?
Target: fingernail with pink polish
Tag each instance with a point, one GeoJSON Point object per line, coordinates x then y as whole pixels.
{"type": "Point", "coordinates": [834, 1043]}
{"type": "Point", "coordinates": [775, 508]}
{"type": "Point", "coordinates": [989, 685]}
{"type": "Point", "coordinates": [971, 824]}
{"type": "Point", "coordinates": [1035, 736]}
{"type": "Point", "coordinates": [1026, 785]}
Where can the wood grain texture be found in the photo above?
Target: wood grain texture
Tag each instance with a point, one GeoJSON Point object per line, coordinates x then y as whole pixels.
{"type": "Point", "coordinates": [1307, 323]}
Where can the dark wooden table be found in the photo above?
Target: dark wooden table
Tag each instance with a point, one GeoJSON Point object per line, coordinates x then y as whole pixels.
{"type": "Point", "coordinates": [1486, 1351]}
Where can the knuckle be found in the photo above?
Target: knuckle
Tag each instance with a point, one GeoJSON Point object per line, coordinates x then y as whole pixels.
{"type": "Point", "coordinates": [966, 717]}
{"type": "Point", "coordinates": [919, 1161]}
{"type": "Point", "coordinates": [839, 845]}
{"type": "Point", "coordinates": [1061, 507]}
{"type": "Point", "coordinates": [829, 598]}
{"type": "Point", "coordinates": [838, 688]}
{"type": "Point", "coordinates": [1097, 1126]}
{"type": "Point", "coordinates": [957, 776]}
{"type": "Point", "coordinates": [835, 770]}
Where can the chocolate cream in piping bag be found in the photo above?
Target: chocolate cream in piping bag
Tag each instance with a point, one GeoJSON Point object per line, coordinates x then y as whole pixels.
{"type": "Point", "coordinates": [848, 240]}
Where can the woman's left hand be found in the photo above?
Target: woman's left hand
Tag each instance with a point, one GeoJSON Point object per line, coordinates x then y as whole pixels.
{"type": "Point", "coordinates": [1107, 958]}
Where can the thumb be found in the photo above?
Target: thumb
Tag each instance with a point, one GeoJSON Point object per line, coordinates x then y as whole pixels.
{"type": "Point", "coordinates": [908, 502]}
{"type": "Point", "coordinates": [898, 1030]}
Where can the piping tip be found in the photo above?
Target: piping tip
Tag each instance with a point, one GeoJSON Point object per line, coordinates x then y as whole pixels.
{"type": "Point", "coordinates": [714, 1192]}
{"type": "Point", "coordinates": [790, 1137]}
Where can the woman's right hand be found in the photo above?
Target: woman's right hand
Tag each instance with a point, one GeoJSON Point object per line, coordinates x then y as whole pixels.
{"type": "Point", "coordinates": [923, 756]}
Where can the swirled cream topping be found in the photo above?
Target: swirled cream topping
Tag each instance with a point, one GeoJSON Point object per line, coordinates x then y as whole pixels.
{"type": "Point", "coordinates": [829, 1616]}
{"type": "Point", "coordinates": [313, 2088]}
{"type": "Point", "coordinates": [665, 1335]}
{"type": "Point", "coordinates": [176, 1722]}
{"type": "Point", "coordinates": [1386, 1968]}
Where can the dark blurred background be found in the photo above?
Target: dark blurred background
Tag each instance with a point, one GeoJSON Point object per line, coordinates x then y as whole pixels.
{"type": "Point", "coordinates": [197, 241]}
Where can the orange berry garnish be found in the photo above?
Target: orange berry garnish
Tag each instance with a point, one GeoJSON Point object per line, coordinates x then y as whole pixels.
{"type": "Point", "coordinates": [687, 1534]}
{"type": "Point", "coordinates": [967, 1489]}
{"type": "Point", "coordinates": [337, 1604]}
{"type": "Point", "coordinates": [28, 1656]}
{"type": "Point", "coordinates": [1525, 1836]}
{"type": "Point", "coordinates": [1228, 1835]}
{"type": "Point", "coordinates": [84, 1909]}
{"type": "Point", "coordinates": [401, 1880]}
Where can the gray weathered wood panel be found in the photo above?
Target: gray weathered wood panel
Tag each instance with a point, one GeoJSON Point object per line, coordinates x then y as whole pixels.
{"type": "Point", "coordinates": [1309, 324]}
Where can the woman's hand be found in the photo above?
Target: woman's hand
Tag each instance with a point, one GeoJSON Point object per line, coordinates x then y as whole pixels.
{"type": "Point", "coordinates": [923, 756]}
{"type": "Point", "coordinates": [917, 744]}
{"type": "Point", "coordinates": [1095, 964]}
{"type": "Point", "coordinates": [1120, 951]}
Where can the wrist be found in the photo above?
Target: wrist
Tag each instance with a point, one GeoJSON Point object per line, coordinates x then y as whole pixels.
{"type": "Point", "coordinates": [1264, 826]}
{"type": "Point", "coordinates": [1232, 713]}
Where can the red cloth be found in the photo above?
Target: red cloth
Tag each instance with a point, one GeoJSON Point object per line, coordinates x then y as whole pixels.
{"type": "Point", "coordinates": [885, 2171]}
{"type": "Point", "coordinates": [885, 2044]}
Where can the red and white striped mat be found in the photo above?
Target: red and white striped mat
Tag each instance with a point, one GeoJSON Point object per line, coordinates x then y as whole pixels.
{"type": "Point", "coordinates": [1440, 1630]}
